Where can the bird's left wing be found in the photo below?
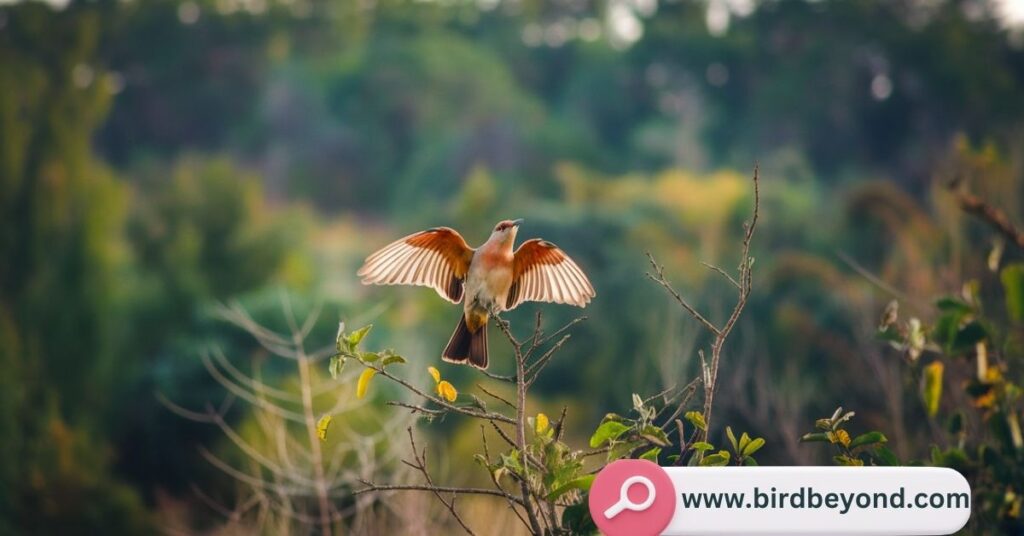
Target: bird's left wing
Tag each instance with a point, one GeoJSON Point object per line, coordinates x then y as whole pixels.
{"type": "Point", "coordinates": [437, 258]}
{"type": "Point", "coordinates": [542, 272]}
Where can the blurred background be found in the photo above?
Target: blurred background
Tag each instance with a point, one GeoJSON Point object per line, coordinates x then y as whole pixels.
{"type": "Point", "coordinates": [161, 158]}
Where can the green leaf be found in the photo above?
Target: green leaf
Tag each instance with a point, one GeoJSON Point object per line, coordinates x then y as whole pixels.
{"type": "Point", "coordinates": [816, 436]}
{"type": "Point", "coordinates": [848, 461]}
{"type": "Point", "coordinates": [956, 423]}
{"type": "Point", "coordinates": [621, 449]}
{"type": "Point", "coordinates": [392, 359]}
{"type": "Point", "coordinates": [337, 364]}
{"type": "Point", "coordinates": [606, 432]}
{"type": "Point", "coordinates": [718, 459]}
{"type": "Point", "coordinates": [967, 337]}
{"type": "Point", "coordinates": [744, 441]}
{"type": "Point", "coordinates": [511, 462]}
{"type": "Point", "coordinates": [613, 417]}
{"type": "Point", "coordinates": [1013, 285]}
{"type": "Point", "coordinates": [651, 455]}
{"type": "Point", "coordinates": [885, 456]}
{"type": "Point", "coordinates": [701, 446]}
{"type": "Point", "coordinates": [750, 461]}
{"type": "Point", "coordinates": [869, 438]}
{"type": "Point", "coordinates": [696, 418]}
{"type": "Point", "coordinates": [732, 438]}
{"type": "Point", "coordinates": [655, 435]}
{"type": "Point", "coordinates": [582, 483]}
{"type": "Point", "coordinates": [753, 446]}
{"type": "Point", "coordinates": [949, 304]}
{"type": "Point", "coordinates": [577, 520]}
{"type": "Point", "coordinates": [339, 339]}
{"type": "Point", "coordinates": [931, 388]}
{"type": "Point", "coordinates": [672, 459]}
{"type": "Point", "coordinates": [364, 382]}
{"type": "Point", "coordinates": [368, 357]}
{"type": "Point", "coordinates": [945, 329]}
{"type": "Point", "coordinates": [357, 336]}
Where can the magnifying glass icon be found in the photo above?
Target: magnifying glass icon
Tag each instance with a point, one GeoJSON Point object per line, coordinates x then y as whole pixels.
{"type": "Point", "coordinates": [626, 504]}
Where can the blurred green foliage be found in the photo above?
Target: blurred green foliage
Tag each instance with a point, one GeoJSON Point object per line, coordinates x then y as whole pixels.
{"type": "Point", "coordinates": [159, 156]}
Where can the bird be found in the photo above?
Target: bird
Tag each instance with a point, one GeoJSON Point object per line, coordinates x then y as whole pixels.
{"type": "Point", "coordinates": [488, 280]}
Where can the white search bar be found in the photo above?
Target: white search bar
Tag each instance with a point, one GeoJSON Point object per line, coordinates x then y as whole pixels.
{"type": "Point", "coordinates": [780, 500]}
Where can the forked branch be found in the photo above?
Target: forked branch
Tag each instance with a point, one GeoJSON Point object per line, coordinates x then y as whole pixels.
{"type": "Point", "coordinates": [742, 282]}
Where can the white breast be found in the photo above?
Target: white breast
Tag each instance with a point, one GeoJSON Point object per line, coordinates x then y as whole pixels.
{"type": "Point", "coordinates": [482, 285]}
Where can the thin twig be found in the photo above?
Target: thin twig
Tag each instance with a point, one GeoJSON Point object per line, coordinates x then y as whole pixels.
{"type": "Point", "coordinates": [495, 396]}
{"type": "Point", "coordinates": [983, 210]}
{"type": "Point", "coordinates": [486, 415]}
{"type": "Point", "coordinates": [659, 277]}
{"type": "Point", "coordinates": [370, 487]}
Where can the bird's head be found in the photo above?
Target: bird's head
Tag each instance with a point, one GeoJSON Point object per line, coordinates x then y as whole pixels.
{"type": "Point", "coordinates": [505, 230]}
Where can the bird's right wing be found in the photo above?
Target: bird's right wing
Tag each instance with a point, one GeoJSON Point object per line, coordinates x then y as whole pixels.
{"type": "Point", "coordinates": [543, 272]}
{"type": "Point", "coordinates": [437, 258]}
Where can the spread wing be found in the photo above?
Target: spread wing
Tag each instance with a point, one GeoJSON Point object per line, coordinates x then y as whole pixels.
{"type": "Point", "coordinates": [542, 272]}
{"type": "Point", "coordinates": [437, 258]}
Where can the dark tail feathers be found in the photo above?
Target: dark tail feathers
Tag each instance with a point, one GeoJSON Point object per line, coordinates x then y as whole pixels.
{"type": "Point", "coordinates": [467, 348]}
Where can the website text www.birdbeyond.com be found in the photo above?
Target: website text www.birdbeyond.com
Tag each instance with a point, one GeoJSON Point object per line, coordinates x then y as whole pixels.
{"type": "Point", "coordinates": [637, 497]}
{"type": "Point", "coordinates": [811, 498]}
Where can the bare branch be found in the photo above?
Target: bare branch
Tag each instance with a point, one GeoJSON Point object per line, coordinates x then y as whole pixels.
{"type": "Point", "coordinates": [659, 277]}
{"type": "Point", "coordinates": [723, 273]}
{"type": "Point", "coordinates": [984, 211]}
{"type": "Point", "coordinates": [487, 415]}
{"type": "Point", "coordinates": [371, 487]}
{"type": "Point", "coordinates": [743, 282]}
{"type": "Point", "coordinates": [495, 396]}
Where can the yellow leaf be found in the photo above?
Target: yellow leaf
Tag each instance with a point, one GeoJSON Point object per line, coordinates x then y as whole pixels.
{"type": "Point", "coordinates": [364, 382]}
{"type": "Point", "coordinates": [447, 391]}
{"type": "Point", "coordinates": [843, 437]}
{"type": "Point", "coordinates": [436, 374]}
{"type": "Point", "coordinates": [986, 400]}
{"type": "Point", "coordinates": [321, 427]}
{"type": "Point", "coordinates": [542, 423]}
{"type": "Point", "coordinates": [932, 388]}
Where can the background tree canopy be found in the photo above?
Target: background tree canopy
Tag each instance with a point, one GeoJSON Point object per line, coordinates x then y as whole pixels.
{"type": "Point", "coordinates": [160, 157]}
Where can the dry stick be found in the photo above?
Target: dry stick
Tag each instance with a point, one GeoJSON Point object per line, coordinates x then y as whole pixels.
{"type": "Point", "coordinates": [560, 423]}
{"type": "Point", "coordinates": [743, 283]}
{"type": "Point", "coordinates": [421, 462]}
{"type": "Point", "coordinates": [520, 422]}
{"type": "Point", "coordinates": [370, 487]}
{"type": "Point", "coordinates": [486, 415]}
{"type": "Point", "coordinates": [487, 457]}
{"type": "Point", "coordinates": [989, 214]}
{"type": "Point", "coordinates": [543, 360]}
{"type": "Point", "coordinates": [305, 385]}
{"type": "Point", "coordinates": [495, 396]}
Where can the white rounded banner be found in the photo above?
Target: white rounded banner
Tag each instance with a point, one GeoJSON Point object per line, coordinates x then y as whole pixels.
{"type": "Point", "coordinates": [818, 500]}
{"type": "Point", "coordinates": [639, 498]}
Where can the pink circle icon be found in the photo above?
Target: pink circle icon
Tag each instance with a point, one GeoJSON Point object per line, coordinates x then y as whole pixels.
{"type": "Point", "coordinates": [632, 498]}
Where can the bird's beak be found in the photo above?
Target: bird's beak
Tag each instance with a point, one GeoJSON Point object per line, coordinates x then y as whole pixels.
{"type": "Point", "coordinates": [518, 222]}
